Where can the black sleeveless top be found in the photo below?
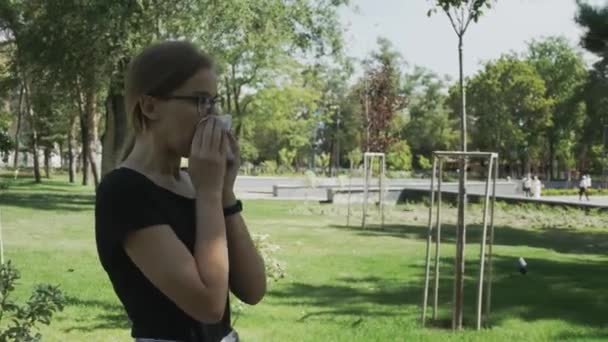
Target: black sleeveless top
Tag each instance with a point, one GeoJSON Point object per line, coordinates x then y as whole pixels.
{"type": "Point", "coordinates": [127, 200]}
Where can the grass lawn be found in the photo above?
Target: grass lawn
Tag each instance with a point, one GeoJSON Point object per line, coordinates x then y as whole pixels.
{"type": "Point", "coordinates": [342, 283]}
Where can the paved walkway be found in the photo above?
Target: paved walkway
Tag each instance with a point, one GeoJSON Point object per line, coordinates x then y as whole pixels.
{"type": "Point", "coordinates": [261, 188]}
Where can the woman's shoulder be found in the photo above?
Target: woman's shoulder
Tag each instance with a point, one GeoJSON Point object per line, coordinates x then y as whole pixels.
{"type": "Point", "coordinates": [121, 181]}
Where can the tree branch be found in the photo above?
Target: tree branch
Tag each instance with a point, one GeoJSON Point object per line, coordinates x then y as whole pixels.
{"type": "Point", "coordinates": [254, 74]}
{"type": "Point", "coordinates": [452, 22]}
{"type": "Point", "coordinates": [471, 9]}
{"type": "Point", "coordinates": [246, 102]}
{"type": "Point", "coordinates": [468, 22]}
{"type": "Point", "coordinates": [462, 17]}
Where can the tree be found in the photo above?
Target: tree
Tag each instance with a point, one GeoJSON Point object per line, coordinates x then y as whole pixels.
{"type": "Point", "coordinates": [251, 38]}
{"type": "Point", "coordinates": [282, 117]}
{"type": "Point", "coordinates": [461, 13]}
{"type": "Point", "coordinates": [507, 102]}
{"type": "Point", "coordinates": [595, 95]}
{"type": "Point", "coordinates": [564, 74]}
{"type": "Point", "coordinates": [382, 97]}
{"type": "Point", "coordinates": [430, 128]}
{"type": "Point", "coordinates": [339, 126]}
{"type": "Point", "coordinates": [594, 21]}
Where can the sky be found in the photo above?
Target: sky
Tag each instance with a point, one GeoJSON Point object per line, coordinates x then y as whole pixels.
{"type": "Point", "coordinates": [432, 43]}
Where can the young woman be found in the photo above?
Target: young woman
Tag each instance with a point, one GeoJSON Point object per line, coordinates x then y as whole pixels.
{"type": "Point", "coordinates": [173, 242]}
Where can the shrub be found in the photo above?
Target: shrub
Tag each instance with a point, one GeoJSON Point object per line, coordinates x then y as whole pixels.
{"type": "Point", "coordinates": [399, 156]}
{"type": "Point", "coordinates": [43, 303]}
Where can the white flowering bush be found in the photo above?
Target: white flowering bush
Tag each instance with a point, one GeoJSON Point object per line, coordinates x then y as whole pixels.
{"type": "Point", "coordinates": [275, 269]}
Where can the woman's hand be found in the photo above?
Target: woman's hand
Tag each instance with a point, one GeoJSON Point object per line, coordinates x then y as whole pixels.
{"type": "Point", "coordinates": [207, 161]}
{"type": "Point", "coordinates": [232, 170]}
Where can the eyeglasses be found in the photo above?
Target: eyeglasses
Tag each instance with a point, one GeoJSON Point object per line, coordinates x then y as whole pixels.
{"type": "Point", "coordinates": [205, 105]}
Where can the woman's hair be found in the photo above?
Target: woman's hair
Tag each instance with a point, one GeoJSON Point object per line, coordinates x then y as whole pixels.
{"type": "Point", "coordinates": [158, 70]}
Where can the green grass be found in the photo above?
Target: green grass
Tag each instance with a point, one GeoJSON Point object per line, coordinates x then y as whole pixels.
{"type": "Point", "coordinates": [342, 283]}
{"type": "Point", "coordinates": [573, 192]}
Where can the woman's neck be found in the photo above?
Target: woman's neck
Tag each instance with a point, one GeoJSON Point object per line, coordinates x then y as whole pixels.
{"type": "Point", "coordinates": [153, 159]}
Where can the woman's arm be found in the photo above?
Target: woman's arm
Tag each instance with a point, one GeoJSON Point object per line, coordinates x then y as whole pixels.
{"type": "Point", "coordinates": [197, 284]}
{"type": "Point", "coordinates": [247, 272]}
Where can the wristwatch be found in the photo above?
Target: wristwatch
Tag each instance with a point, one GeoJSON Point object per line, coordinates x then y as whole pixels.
{"type": "Point", "coordinates": [233, 209]}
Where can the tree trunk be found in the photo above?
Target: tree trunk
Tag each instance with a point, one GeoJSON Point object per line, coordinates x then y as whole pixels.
{"type": "Point", "coordinates": [61, 156]}
{"type": "Point", "coordinates": [37, 177]}
{"type": "Point", "coordinates": [237, 106]}
{"type": "Point", "coordinates": [34, 132]}
{"type": "Point", "coordinates": [228, 94]}
{"type": "Point", "coordinates": [47, 162]}
{"type": "Point", "coordinates": [551, 171]}
{"type": "Point", "coordinates": [72, 148]}
{"type": "Point", "coordinates": [18, 130]}
{"type": "Point", "coordinates": [331, 159]}
{"type": "Point", "coordinates": [84, 133]}
{"type": "Point", "coordinates": [117, 133]}
{"type": "Point", "coordinates": [84, 154]}
{"type": "Point", "coordinates": [93, 136]}
{"type": "Point", "coordinates": [462, 202]}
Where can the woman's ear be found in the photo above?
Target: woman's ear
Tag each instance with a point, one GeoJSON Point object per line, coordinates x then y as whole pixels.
{"type": "Point", "coordinates": [148, 106]}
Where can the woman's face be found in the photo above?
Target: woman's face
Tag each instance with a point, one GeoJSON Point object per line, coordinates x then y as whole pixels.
{"type": "Point", "coordinates": [177, 118]}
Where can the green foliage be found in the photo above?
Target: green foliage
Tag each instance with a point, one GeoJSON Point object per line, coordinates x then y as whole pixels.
{"type": "Point", "coordinates": [323, 160]}
{"type": "Point", "coordinates": [6, 141]}
{"type": "Point", "coordinates": [281, 117]}
{"type": "Point", "coordinates": [424, 162]}
{"type": "Point", "coordinates": [249, 151]}
{"type": "Point", "coordinates": [430, 127]}
{"type": "Point", "coordinates": [563, 70]}
{"type": "Point", "coordinates": [269, 167]}
{"type": "Point", "coordinates": [572, 192]}
{"type": "Point", "coordinates": [399, 156]}
{"type": "Point", "coordinates": [286, 158]}
{"type": "Point", "coordinates": [355, 156]}
{"type": "Point", "coordinates": [473, 8]}
{"type": "Point", "coordinates": [594, 21]}
{"type": "Point", "coordinates": [508, 105]}
{"type": "Point", "coordinates": [44, 302]}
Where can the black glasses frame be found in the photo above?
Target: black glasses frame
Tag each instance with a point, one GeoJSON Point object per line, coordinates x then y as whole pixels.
{"type": "Point", "coordinates": [204, 103]}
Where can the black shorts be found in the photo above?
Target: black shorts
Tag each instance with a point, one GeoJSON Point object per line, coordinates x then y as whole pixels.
{"type": "Point", "coordinates": [582, 190]}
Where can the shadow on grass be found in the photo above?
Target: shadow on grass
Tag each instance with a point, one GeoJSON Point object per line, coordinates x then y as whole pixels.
{"type": "Point", "coordinates": [558, 239]}
{"type": "Point", "coordinates": [112, 315]}
{"type": "Point", "coordinates": [552, 290]}
{"type": "Point", "coordinates": [48, 200]}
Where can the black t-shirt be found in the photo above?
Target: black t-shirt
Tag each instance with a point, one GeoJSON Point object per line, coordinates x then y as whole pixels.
{"type": "Point", "coordinates": [126, 201]}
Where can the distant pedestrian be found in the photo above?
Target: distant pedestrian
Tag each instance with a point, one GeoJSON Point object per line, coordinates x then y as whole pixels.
{"type": "Point", "coordinates": [537, 186]}
{"type": "Point", "coordinates": [527, 185]}
{"type": "Point", "coordinates": [583, 185]}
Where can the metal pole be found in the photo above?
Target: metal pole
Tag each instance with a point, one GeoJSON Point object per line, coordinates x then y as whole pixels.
{"type": "Point", "coordinates": [489, 278]}
{"type": "Point", "coordinates": [1, 244]}
{"type": "Point", "coordinates": [437, 241]}
{"type": "Point", "coordinates": [605, 185]}
{"type": "Point", "coordinates": [382, 185]}
{"type": "Point", "coordinates": [350, 182]}
{"type": "Point", "coordinates": [338, 145]}
{"type": "Point", "coordinates": [428, 244]}
{"type": "Point", "coordinates": [365, 189]}
{"type": "Point", "coordinates": [483, 244]}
